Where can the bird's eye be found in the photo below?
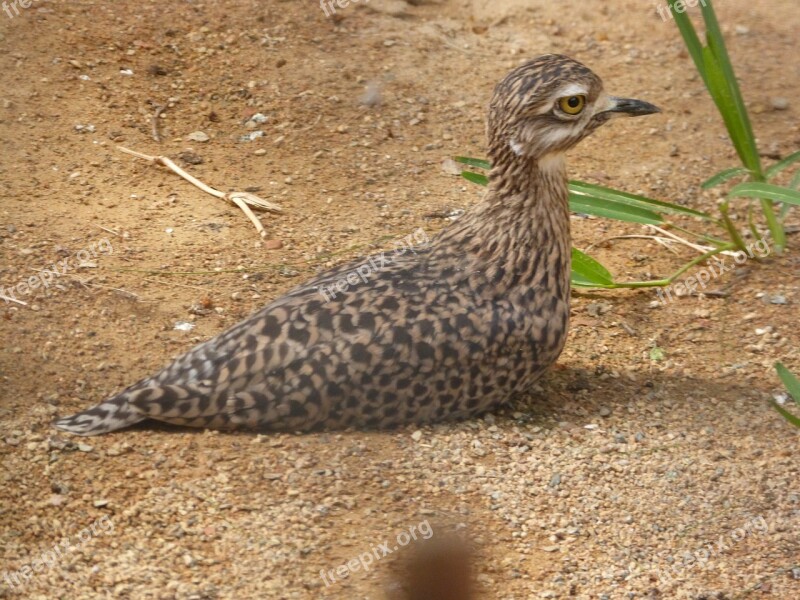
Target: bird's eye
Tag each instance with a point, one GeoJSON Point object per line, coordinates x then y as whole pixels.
{"type": "Point", "coordinates": [572, 105]}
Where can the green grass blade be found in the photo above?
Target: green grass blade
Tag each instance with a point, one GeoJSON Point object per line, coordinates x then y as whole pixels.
{"type": "Point", "coordinates": [794, 184]}
{"type": "Point", "coordinates": [592, 191]}
{"type": "Point", "coordinates": [473, 162]}
{"type": "Point", "coordinates": [784, 164]}
{"type": "Point", "coordinates": [587, 272]}
{"type": "Point", "coordinates": [613, 210]}
{"type": "Point", "coordinates": [716, 42]}
{"type": "Point", "coordinates": [776, 193]}
{"type": "Point", "coordinates": [790, 381]}
{"type": "Point", "coordinates": [690, 38]}
{"type": "Point", "coordinates": [786, 414]}
{"type": "Point", "coordinates": [724, 176]}
{"type": "Point", "coordinates": [475, 177]}
{"type": "Point", "coordinates": [726, 104]}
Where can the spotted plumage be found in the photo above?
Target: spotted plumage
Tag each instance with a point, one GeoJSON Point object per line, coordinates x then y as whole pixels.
{"type": "Point", "coordinates": [450, 330]}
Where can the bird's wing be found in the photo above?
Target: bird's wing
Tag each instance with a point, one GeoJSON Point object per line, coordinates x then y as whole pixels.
{"type": "Point", "coordinates": [302, 361]}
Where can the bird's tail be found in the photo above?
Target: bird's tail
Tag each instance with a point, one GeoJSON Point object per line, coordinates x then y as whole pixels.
{"type": "Point", "coordinates": [185, 404]}
{"type": "Point", "coordinates": [114, 413]}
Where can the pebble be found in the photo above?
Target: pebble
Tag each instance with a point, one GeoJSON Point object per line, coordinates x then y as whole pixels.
{"type": "Point", "coordinates": [253, 135]}
{"type": "Point", "coordinates": [198, 136]}
{"type": "Point", "coordinates": [417, 435]}
{"type": "Point", "coordinates": [273, 245]}
{"type": "Point", "coordinates": [190, 158]}
{"type": "Point", "coordinates": [260, 152]}
{"type": "Point", "coordinates": [372, 95]}
{"type": "Point", "coordinates": [779, 103]}
{"type": "Point", "coordinates": [451, 167]}
{"type": "Point", "coordinates": [258, 119]}
{"type": "Point", "coordinates": [605, 411]}
{"type": "Point", "coordinates": [597, 309]}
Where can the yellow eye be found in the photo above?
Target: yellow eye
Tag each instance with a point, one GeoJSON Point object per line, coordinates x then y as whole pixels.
{"type": "Point", "coordinates": [572, 105]}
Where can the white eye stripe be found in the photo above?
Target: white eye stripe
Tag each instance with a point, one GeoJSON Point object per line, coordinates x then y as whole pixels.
{"type": "Point", "coordinates": [572, 89]}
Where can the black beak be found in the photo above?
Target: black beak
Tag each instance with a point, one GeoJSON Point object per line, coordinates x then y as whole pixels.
{"type": "Point", "coordinates": [631, 107]}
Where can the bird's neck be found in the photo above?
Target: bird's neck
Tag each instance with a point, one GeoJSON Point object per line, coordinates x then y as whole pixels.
{"type": "Point", "coordinates": [519, 234]}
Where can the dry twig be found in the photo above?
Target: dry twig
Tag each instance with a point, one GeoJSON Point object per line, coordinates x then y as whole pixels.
{"type": "Point", "coordinates": [241, 199]}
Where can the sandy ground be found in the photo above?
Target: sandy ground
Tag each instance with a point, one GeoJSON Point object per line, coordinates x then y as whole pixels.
{"type": "Point", "coordinates": [652, 439]}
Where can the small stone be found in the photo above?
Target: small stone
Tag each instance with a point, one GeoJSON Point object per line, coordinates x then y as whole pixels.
{"type": "Point", "coordinates": [779, 103]}
{"type": "Point", "coordinates": [371, 96]}
{"type": "Point", "coordinates": [555, 480]}
{"type": "Point", "coordinates": [639, 437]}
{"type": "Point", "coordinates": [605, 411]}
{"type": "Point", "coordinates": [85, 447]}
{"type": "Point", "coordinates": [451, 167]}
{"type": "Point", "coordinates": [597, 309]}
{"type": "Point", "coordinates": [258, 119]}
{"type": "Point", "coordinates": [260, 152]}
{"type": "Point", "coordinates": [190, 158]}
{"type": "Point", "coordinates": [100, 503]}
{"type": "Point", "coordinates": [550, 548]}
{"type": "Point", "coordinates": [417, 435]}
{"type": "Point", "coordinates": [157, 70]}
{"type": "Point", "coordinates": [198, 136]}
{"type": "Point", "coordinates": [253, 135]}
{"type": "Point", "coordinates": [273, 245]}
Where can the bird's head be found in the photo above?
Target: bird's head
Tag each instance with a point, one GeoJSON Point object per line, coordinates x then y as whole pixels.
{"type": "Point", "coordinates": [546, 106]}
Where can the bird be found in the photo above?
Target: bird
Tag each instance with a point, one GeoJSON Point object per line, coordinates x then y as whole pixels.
{"type": "Point", "coordinates": [452, 330]}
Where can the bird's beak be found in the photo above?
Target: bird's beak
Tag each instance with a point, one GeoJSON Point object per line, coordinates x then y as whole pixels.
{"type": "Point", "coordinates": [630, 107]}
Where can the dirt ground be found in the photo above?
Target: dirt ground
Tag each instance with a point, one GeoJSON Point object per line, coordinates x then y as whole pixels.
{"type": "Point", "coordinates": [651, 439]}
